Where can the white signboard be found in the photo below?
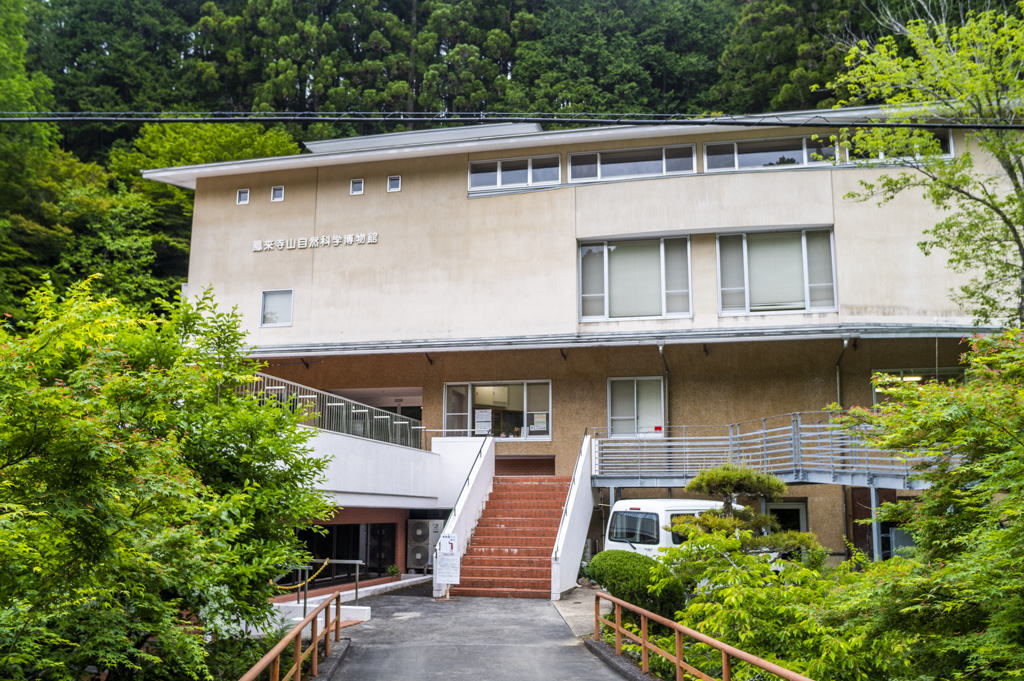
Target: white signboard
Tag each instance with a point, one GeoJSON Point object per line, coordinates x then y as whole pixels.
{"type": "Point", "coordinates": [446, 569]}
{"type": "Point", "coordinates": [482, 421]}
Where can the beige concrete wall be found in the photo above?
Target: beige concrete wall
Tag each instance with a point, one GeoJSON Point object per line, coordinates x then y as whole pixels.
{"type": "Point", "coordinates": [450, 266]}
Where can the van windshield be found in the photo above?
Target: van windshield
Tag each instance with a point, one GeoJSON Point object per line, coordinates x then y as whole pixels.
{"type": "Point", "coordinates": [634, 526]}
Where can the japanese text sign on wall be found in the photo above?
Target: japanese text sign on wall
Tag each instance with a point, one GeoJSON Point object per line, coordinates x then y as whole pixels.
{"type": "Point", "coordinates": [326, 241]}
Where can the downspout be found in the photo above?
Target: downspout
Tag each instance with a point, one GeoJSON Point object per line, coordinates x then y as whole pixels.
{"type": "Point", "coordinates": [839, 383]}
{"type": "Point", "coordinates": [668, 410]}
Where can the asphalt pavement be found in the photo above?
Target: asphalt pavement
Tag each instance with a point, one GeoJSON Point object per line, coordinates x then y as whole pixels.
{"type": "Point", "coordinates": [494, 639]}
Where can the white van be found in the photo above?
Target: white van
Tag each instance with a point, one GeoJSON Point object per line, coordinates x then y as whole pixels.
{"type": "Point", "coordinates": [644, 525]}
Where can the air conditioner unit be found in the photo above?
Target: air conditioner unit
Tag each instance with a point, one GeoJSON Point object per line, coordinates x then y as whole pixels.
{"type": "Point", "coordinates": [418, 532]}
{"type": "Point", "coordinates": [418, 557]}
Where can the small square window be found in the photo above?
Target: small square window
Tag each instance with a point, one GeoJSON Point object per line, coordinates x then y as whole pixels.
{"type": "Point", "coordinates": [277, 308]}
{"type": "Point", "coordinates": [242, 197]}
{"type": "Point", "coordinates": [356, 188]}
{"type": "Point", "coordinates": [395, 183]}
{"type": "Point", "coordinates": [277, 193]}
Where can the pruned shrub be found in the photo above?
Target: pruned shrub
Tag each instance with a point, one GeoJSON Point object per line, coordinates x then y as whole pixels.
{"type": "Point", "coordinates": [627, 575]}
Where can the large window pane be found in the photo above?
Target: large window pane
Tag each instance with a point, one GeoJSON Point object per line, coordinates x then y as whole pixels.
{"type": "Point", "coordinates": [483, 175]}
{"type": "Point", "coordinates": [730, 257]}
{"type": "Point", "coordinates": [634, 273]}
{"type": "Point", "coordinates": [592, 284]}
{"type": "Point", "coordinates": [770, 153]}
{"type": "Point", "coordinates": [583, 166]}
{"type": "Point", "coordinates": [719, 156]}
{"type": "Point", "coordinates": [677, 284]}
{"type": "Point", "coordinates": [545, 169]}
{"type": "Point", "coordinates": [627, 163]}
{"type": "Point", "coordinates": [538, 413]}
{"type": "Point", "coordinates": [622, 406]}
{"type": "Point", "coordinates": [648, 405]}
{"type": "Point", "coordinates": [679, 160]}
{"type": "Point", "coordinates": [775, 271]}
{"type": "Point", "coordinates": [515, 172]}
{"type": "Point", "coordinates": [820, 150]}
{"type": "Point", "coordinates": [820, 283]}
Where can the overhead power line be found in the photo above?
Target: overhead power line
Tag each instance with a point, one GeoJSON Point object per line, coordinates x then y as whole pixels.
{"type": "Point", "coordinates": [830, 119]}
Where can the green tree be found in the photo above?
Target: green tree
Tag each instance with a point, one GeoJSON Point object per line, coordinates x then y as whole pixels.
{"type": "Point", "coordinates": [139, 488]}
{"type": "Point", "coordinates": [958, 602]}
{"type": "Point", "coordinates": [968, 75]}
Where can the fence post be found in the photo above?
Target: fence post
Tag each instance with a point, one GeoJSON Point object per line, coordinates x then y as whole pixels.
{"type": "Point", "coordinates": [327, 630]}
{"type": "Point", "coordinates": [643, 644]}
{"type": "Point", "coordinates": [597, 618]}
{"type": "Point", "coordinates": [618, 629]}
{"type": "Point", "coordinates": [313, 641]}
{"type": "Point", "coordinates": [337, 616]}
{"type": "Point", "coordinates": [726, 669]}
{"type": "Point", "coordinates": [297, 657]}
{"type": "Point", "coordinates": [680, 675]}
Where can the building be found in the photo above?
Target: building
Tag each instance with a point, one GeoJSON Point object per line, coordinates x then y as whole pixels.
{"type": "Point", "coordinates": [652, 287]}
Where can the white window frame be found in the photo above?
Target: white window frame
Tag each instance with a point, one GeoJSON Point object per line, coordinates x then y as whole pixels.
{"type": "Point", "coordinates": [470, 426]}
{"type": "Point", "coordinates": [607, 288]}
{"type": "Point", "coordinates": [352, 187]}
{"type": "Point", "coordinates": [274, 189]}
{"type": "Point", "coordinates": [238, 197]}
{"type": "Point", "coordinates": [291, 306]}
{"type": "Point", "coordinates": [801, 506]}
{"type": "Point", "coordinates": [664, 171]}
{"type": "Point", "coordinates": [608, 409]}
{"type": "Point", "coordinates": [394, 177]}
{"type": "Point", "coordinates": [746, 276]}
{"type": "Point", "coordinates": [530, 182]}
{"type": "Point", "coordinates": [881, 158]}
{"type": "Point", "coordinates": [806, 161]}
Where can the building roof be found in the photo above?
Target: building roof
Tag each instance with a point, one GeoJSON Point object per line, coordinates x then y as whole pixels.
{"type": "Point", "coordinates": [493, 138]}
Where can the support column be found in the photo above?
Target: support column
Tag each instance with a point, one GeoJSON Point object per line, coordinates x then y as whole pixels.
{"type": "Point", "coordinates": [876, 527]}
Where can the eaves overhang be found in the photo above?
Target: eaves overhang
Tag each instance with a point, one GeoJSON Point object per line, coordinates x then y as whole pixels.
{"type": "Point", "coordinates": [491, 138]}
{"type": "Point", "coordinates": [583, 340]}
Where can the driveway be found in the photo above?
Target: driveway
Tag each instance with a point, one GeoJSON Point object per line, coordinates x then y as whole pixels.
{"type": "Point", "coordinates": [497, 639]}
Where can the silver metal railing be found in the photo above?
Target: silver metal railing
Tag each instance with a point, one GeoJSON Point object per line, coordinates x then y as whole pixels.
{"type": "Point", "coordinates": [340, 415]}
{"type": "Point", "coordinates": [802, 446]}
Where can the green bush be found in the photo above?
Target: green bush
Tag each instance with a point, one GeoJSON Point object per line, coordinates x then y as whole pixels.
{"type": "Point", "coordinates": [627, 575]}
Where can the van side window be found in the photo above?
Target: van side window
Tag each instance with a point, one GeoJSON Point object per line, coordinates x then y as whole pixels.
{"type": "Point", "coordinates": [677, 520]}
{"type": "Point", "coordinates": [634, 526]}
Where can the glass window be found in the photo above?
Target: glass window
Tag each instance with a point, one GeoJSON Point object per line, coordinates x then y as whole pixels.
{"type": "Point", "coordinates": [546, 169]}
{"type": "Point", "coordinates": [796, 151]}
{"type": "Point", "coordinates": [395, 183]}
{"type": "Point", "coordinates": [631, 163]}
{"type": "Point", "coordinates": [635, 527]}
{"type": "Point", "coordinates": [608, 165]}
{"type": "Point", "coordinates": [625, 279]}
{"type": "Point", "coordinates": [517, 172]}
{"type": "Point", "coordinates": [635, 407]}
{"type": "Point", "coordinates": [242, 197]}
{"type": "Point", "coordinates": [926, 375]}
{"type": "Point", "coordinates": [778, 271]}
{"type": "Point", "coordinates": [355, 187]}
{"type": "Point", "coordinates": [583, 167]}
{"type": "Point", "coordinates": [276, 309]}
{"type": "Point", "coordinates": [509, 409]}
{"type": "Point", "coordinates": [277, 193]}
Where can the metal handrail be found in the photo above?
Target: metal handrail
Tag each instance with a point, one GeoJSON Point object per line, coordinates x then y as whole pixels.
{"type": "Point", "coordinates": [448, 525]}
{"type": "Point", "coordinates": [294, 638]}
{"type": "Point", "coordinates": [682, 668]}
{"type": "Point", "coordinates": [336, 414]}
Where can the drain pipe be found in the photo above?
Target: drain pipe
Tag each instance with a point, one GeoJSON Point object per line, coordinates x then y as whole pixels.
{"type": "Point", "coordinates": [664, 363]}
{"type": "Point", "coordinates": [839, 383]}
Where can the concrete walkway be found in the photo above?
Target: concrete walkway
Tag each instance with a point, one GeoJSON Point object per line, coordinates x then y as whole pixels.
{"type": "Point", "coordinates": [499, 639]}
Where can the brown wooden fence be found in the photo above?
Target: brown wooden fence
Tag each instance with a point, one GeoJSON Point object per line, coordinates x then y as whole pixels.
{"type": "Point", "coordinates": [678, 658]}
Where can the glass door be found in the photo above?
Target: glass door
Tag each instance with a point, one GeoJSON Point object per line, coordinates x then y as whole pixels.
{"type": "Point", "coordinates": [636, 407]}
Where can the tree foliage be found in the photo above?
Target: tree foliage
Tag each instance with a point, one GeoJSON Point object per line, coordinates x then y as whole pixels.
{"type": "Point", "coordinates": [145, 503]}
{"type": "Point", "coordinates": [967, 74]}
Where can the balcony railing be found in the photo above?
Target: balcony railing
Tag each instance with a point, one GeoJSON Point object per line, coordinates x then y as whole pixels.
{"type": "Point", "coordinates": [798, 447]}
{"type": "Point", "coordinates": [339, 415]}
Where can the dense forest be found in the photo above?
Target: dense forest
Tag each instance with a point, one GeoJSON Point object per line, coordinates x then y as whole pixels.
{"type": "Point", "coordinates": [74, 203]}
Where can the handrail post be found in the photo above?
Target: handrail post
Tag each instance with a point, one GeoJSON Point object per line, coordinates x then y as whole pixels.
{"type": "Point", "coordinates": [680, 675]}
{"type": "Point", "coordinates": [618, 629]}
{"type": "Point", "coordinates": [314, 641]}
{"type": "Point", "coordinates": [726, 669]}
{"type": "Point", "coordinates": [643, 644]}
{"type": "Point", "coordinates": [327, 630]}
{"type": "Point", "coordinates": [275, 669]}
{"type": "Point", "coordinates": [597, 617]}
{"type": "Point", "coordinates": [297, 657]}
{"type": "Point", "coordinates": [337, 616]}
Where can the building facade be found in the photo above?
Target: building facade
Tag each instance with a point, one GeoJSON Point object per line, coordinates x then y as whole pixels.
{"type": "Point", "coordinates": [624, 281]}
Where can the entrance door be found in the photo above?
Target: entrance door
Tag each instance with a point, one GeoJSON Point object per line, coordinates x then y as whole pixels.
{"type": "Point", "coordinates": [380, 548]}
